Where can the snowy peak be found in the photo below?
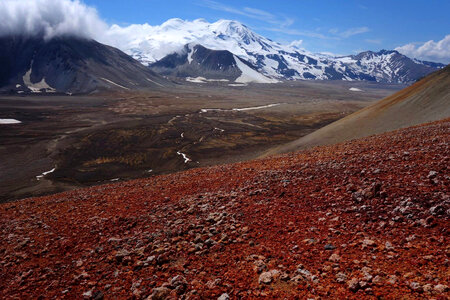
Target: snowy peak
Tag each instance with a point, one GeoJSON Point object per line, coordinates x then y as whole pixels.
{"type": "Point", "coordinates": [226, 29]}
{"type": "Point", "coordinates": [274, 60]}
{"type": "Point", "coordinates": [199, 64]}
{"type": "Point", "coordinates": [387, 66]}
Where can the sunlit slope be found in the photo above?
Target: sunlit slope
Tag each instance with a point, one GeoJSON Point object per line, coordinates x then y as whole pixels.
{"type": "Point", "coordinates": [426, 100]}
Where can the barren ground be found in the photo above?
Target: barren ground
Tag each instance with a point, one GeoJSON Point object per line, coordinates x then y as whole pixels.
{"type": "Point", "coordinates": [98, 138]}
{"type": "Point", "coordinates": [367, 219]}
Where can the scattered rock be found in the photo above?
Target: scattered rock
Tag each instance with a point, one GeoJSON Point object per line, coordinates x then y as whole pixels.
{"type": "Point", "coordinates": [224, 296]}
{"type": "Point", "coordinates": [353, 284]}
{"type": "Point", "coordinates": [159, 293]}
{"type": "Point", "coordinates": [341, 277]}
{"type": "Point", "coordinates": [415, 286]}
{"type": "Point", "coordinates": [392, 279]}
{"type": "Point", "coordinates": [440, 288]}
{"type": "Point", "coordinates": [268, 277]}
{"type": "Point", "coordinates": [329, 247]}
{"type": "Point", "coordinates": [432, 174]}
{"type": "Point", "coordinates": [334, 258]}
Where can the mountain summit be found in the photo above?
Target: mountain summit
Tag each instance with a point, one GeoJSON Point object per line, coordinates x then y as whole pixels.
{"type": "Point", "coordinates": [272, 59]}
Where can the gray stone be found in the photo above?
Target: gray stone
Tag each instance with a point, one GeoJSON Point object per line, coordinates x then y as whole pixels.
{"type": "Point", "coordinates": [159, 293]}
{"type": "Point", "coordinates": [268, 277]}
{"type": "Point", "coordinates": [224, 296]}
{"type": "Point", "coordinates": [440, 288]}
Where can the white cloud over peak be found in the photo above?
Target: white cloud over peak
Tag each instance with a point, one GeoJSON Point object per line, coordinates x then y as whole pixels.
{"type": "Point", "coordinates": [50, 18]}
{"type": "Point", "coordinates": [431, 50]}
{"type": "Point", "coordinates": [297, 44]}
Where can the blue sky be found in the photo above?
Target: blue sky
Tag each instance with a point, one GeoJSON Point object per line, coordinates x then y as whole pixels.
{"type": "Point", "coordinates": [341, 27]}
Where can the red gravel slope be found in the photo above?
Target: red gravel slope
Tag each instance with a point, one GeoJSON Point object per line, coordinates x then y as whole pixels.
{"type": "Point", "coordinates": [364, 219]}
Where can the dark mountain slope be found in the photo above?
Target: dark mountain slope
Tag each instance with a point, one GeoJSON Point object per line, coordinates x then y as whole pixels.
{"type": "Point", "coordinates": [198, 61]}
{"type": "Point", "coordinates": [69, 64]}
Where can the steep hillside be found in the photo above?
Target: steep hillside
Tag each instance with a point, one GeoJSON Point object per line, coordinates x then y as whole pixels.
{"type": "Point", "coordinates": [69, 65]}
{"type": "Point", "coordinates": [425, 101]}
{"type": "Point", "coordinates": [367, 219]}
{"type": "Point", "coordinates": [197, 64]}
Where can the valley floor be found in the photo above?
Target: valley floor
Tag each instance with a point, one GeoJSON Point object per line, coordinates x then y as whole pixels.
{"type": "Point", "coordinates": [366, 219]}
{"type": "Point", "coordinates": [89, 140]}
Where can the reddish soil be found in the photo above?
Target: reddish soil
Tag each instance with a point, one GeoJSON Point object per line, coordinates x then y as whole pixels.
{"type": "Point", "coordinates": [364, 219]}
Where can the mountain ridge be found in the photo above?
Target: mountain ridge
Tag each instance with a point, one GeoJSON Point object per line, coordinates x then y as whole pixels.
{"type": "Point", "coordinates": [196, 61]}
{"type": "Point", "coordinates": [69, 65]}
{"type": "Point", "coordinates": [285, 62]}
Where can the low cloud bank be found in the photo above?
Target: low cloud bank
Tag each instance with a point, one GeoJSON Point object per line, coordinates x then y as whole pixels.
{"type": "Point", "coordinates": [50, 18]}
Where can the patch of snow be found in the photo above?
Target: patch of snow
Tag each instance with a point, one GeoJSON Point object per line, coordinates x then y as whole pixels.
{"type": "Point", "coordinates": [256, 107]}
{"type": "Point", "coordinates": [186, 159]}
{"type": "Point", "coordinates": [205, 110]}
{"type": "Point", "coordinates": [18, 86]}
{"type": "Point", "coordinates": [204, 80]}
{"type": "Point", "coordinates": [39, 177]}
{"type": "Point", "coordinates": [238, 84]}
{"type": "Point", "coordinates": [182, 135]}
{"type": "Point", "coordinates": [115, 179]}
{"type": "Point", "coordinates": [196, 79]}
{"type": "Point", "coordinates": [217, 80]}
{"type": "Point", "coordinates": [217, 128]}
{"type": "Point", "coordinates": [191, 51]}
{"type": "Point", "coordinates": [116, 84]}
{"type": "Point", "coordinates": [355, 89]}
{"type": "Point", "coordinates": [148, 79]}
{"type": "Point", "coordinates": [250, 75]}
{"type": "Point", "coordinates": [9, 121]}
{"type": "Point", "coordinates": [36, 87]}
{"type": "Point", "coordinates": [149, 171]}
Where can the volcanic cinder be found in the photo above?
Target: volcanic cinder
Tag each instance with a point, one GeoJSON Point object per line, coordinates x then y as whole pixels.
{"type": "Point", "coordinates": [363, 219]}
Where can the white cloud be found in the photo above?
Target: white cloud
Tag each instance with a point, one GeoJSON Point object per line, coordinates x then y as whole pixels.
{"type": "Point", "coordinates": [291, 31]}
{"type": "Point", "coordinates": [296, 44]}
{"type": "Point", "coordinates": [50, 18]}
{"type": "Point", "coordinates": [373, 41]}
{"type": "Point", "coordinates": [353, 31]}
{"type": "Point", "coordinates": [431, 50]}
{"type": "Point", "coordinates": [250, 12]}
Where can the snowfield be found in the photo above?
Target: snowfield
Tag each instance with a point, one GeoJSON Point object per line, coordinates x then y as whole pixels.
{"type": "Point", "coordinates": [9, 121]}
{"type": "Point", "coordinates": [355, 89]}
{"type": "Point", "coordinates": [250, 75]}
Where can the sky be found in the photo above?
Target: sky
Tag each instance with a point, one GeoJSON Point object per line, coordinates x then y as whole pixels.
{"type": "Point", "coordinates": [419, 29]}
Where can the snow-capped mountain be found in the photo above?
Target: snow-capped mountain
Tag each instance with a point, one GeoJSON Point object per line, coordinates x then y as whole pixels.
{"type": "Point", "coordinates": [196, 63]}
{"type": "Point", "coordinates": [149, 44]}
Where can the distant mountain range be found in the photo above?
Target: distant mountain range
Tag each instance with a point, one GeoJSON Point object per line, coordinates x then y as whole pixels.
{"type": "Point", "coordinates": [197, 51]}
{"type": "Point", "coordinates": [69, 65]}
{"type": "Point", "coordinates": [272, 59]}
